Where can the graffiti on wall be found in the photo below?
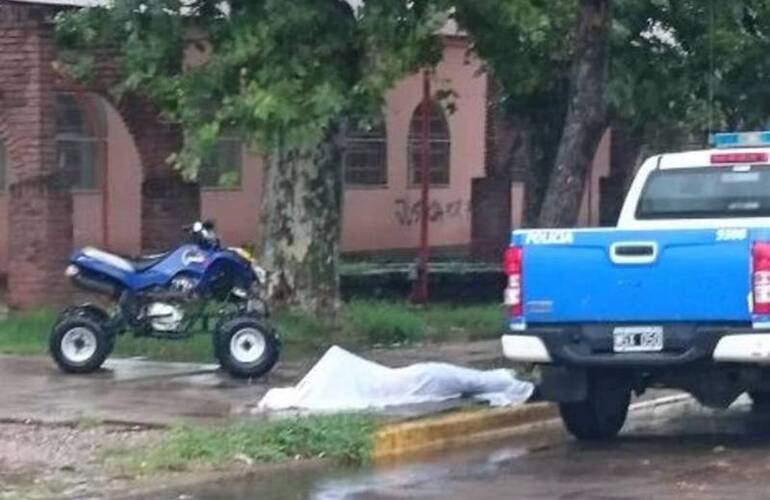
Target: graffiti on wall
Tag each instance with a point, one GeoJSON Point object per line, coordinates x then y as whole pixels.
{"type": "Point", "coordinates": [408, 213]}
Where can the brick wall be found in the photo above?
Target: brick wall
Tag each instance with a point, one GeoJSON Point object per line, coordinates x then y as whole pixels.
{"type": "Point", "coordinates": [40, 217]}
{"type": "Point", "coordinates": [167, 205]}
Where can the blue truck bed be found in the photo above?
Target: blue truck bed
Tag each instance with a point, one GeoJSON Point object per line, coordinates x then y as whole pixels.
{"type": "Point", "coordinates": [622, 276]}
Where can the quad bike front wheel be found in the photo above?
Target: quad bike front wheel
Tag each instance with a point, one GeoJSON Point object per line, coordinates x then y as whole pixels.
{"type": "Point", "coordinates": [79, 343]}
{"type": "Point", "coordinates": [246, 347]}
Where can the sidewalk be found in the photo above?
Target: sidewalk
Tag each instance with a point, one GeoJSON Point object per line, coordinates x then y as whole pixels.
{"type": "Point", "coordinates": [154, 393]}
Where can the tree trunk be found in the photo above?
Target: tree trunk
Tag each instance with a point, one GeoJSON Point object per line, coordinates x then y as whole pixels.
{"type": "Point", "coordinates": [625, 155]}
{"type": "Point", "coordinates": [586, 117]}
{"type": "Point", "coordinates": [516, 156]}
{"type": "Point", "coordinates": [302, 217]}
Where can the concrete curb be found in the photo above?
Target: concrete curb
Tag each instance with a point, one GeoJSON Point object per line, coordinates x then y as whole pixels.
{"type": "Point", "coordinates": [393, 441]}
{"type": "Point", "coordinates": [436, 433]}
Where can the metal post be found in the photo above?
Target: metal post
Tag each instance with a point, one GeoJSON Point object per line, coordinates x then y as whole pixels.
{"type": "Point", "coordinates": [420, 291]}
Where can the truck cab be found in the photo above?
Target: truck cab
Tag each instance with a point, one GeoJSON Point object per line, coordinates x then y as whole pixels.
{"type": "Point", "coordinates": [677, 295]}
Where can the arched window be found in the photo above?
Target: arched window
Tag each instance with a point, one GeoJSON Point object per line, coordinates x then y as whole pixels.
{"type": "Point", "coordinates": [79, 152]}
{"type": "Point", "coordinates": [439, 143]}
{"type": "Point", "coordinates": [366, 155]}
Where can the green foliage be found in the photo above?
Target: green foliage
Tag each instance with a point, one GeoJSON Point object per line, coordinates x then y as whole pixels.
{"type": "Point", "coordinates": [25, 333]}
{"type": "Point", "coordinates": [527, 44]}
{"type": "Point", "coordinates": [360, 324]}
{"type": "Point", "coordinates": [476, 322]}
{"type": "Point", "coordinates": [364, 323]}
{"type": "Point", "coordinates": [384, 322]}
{"type": "Point", "coordinates": [346, 438]}
{"type": "Point", "coordinates": [268, 70]}
{"type": "Point", "coordinates": [389, 323]}
{"type": "Point", "coordinates": [271, 69]}
{"type": "Point", "coordinates": [229, 180]}
{"type": "Point", "coordinates": [662, 61]}
{"type": "Point", "coordinates": [303, 334]}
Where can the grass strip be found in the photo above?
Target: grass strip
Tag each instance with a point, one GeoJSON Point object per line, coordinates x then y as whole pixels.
{"type": "Point", "coordinates": [344, 438]}
{"type": "Point", "coordinates": [360, 324]}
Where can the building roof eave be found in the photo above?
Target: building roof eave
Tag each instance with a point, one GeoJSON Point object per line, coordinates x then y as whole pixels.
{"type": "Point", "coordinates": [67, 3]}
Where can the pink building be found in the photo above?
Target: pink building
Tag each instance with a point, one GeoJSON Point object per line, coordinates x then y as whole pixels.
{"type": "Point", "coordinates": [382, 195]}
{"type": "Point", "coordinates": [111, 158]}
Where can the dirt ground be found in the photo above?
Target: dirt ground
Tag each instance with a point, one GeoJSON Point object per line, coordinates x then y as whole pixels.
{"type": "Point", "coordinates": [50, 446]}
{"type": "Point", "coordinates": [47, 461]}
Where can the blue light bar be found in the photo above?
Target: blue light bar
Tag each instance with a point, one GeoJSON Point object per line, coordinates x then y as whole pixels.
{"type": "Point", "coordinates": [740, 139]}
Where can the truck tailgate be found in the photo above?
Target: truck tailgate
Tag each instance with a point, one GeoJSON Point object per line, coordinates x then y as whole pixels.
{"type": "Point", "coordinates": [635, 276]}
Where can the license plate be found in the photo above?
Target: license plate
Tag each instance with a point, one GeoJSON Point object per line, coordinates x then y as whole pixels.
{"type": "Point", "coordinates": [638, 339]}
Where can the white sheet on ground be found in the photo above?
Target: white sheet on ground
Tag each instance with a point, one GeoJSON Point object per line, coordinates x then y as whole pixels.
{"type": "Point", "coordinates": [341, 380]}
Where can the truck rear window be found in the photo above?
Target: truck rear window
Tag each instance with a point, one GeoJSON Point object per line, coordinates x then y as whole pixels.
{"type": "Point", "coordinates": [708, 192]}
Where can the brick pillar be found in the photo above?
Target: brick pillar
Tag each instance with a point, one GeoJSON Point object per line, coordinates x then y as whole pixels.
{"type": "Point", "coordinates": [40, 243]}
{"type": "Point", "coordinates": [490, 217]}
{"type": "Point", "coordinates": [40, 216]}
{"type": "Point", "coordinates": [167, 205]}
{"type": "Point", "coordinates": [168, 202]}
{"type": "Point", "coordinates": [491, 195]}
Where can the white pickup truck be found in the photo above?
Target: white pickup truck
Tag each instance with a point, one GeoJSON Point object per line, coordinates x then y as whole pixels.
{"type": "Point", "coordinates": [678, 295]}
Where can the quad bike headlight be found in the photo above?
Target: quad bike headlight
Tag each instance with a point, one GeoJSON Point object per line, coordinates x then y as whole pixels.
{"type": "Point", "coordinates": [71, 271]}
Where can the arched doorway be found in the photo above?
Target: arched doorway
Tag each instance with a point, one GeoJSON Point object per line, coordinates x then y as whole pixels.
{"type": "Point", "coordinates": [97, 160]}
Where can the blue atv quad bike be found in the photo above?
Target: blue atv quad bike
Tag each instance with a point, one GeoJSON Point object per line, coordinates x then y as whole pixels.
{"type": "Point", "coordinates": [198, 286]}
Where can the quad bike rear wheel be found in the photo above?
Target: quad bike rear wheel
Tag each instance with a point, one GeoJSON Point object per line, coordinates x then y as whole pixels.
{"type": "Point", "coordinates": [79, 342]}
{"type": "Point", "coordinates": [246, 347]}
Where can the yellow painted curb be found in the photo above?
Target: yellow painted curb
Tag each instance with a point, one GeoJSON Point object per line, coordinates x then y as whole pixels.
{"type": "Point", "coordinates": [435, 433]}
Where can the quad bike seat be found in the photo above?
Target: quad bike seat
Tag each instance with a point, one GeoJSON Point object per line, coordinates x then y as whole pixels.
{"type": "Point", "coordinates": [128, 264]}
{"type": "Point", "coordinates": [144, 262]}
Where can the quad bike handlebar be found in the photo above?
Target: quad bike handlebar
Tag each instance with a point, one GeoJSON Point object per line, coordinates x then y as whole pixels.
{"type": "Point", "coordinates": [203, 231]}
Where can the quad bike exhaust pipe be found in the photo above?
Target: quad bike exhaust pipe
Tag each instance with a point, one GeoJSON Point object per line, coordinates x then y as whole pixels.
{"type": "Point", "coordinates": [93, 285]}
{"type": "Point", "coordinates": [166, 295]}
{"type": "Point", "coordinates": [105, 288]}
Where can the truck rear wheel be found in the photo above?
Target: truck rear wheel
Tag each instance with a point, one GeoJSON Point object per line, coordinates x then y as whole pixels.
{"type": "Point", "coordinates": [602, 414]}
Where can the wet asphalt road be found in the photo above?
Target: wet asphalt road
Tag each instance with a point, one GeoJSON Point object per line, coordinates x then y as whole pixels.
{"type": "Point", "coordinates": [147, 392]}
{"type": "Point", "coordinates": [676, 453]}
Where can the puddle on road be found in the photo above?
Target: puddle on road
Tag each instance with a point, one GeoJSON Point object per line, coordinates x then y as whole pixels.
{"type": "Point", "coordinates": [425, 472]}
{"type": "Point", "coordinates": [659, 441]}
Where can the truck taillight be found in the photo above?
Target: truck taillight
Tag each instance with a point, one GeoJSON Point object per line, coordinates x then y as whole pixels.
{"type": "Point", "coordinates": [512, 267]}
{"type": "Point", "coordinates": [760, 254]}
